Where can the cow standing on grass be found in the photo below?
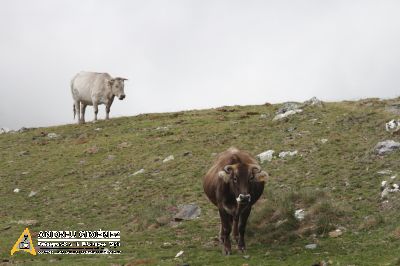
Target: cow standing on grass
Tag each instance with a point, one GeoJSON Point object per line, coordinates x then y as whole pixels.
{"type": "Point", "coordinates": [90, 88]}
{"type": "Point", "coordinates": [234, 183]}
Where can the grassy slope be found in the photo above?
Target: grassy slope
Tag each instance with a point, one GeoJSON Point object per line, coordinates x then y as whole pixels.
{"type": "Point", "coordinates": [78, 190]}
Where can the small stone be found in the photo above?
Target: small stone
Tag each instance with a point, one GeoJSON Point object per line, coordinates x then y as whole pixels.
{"type": "Point", "coordinates": [52, 135]}
{"type": "Point", "coordinates": [111, 157]}
{"type": "Point", "coordinates": [188, 212]}
{"type": "Point", "coordinates": [299, 214]}
{"type": "Point", "coordinates": [187, 153]}
{"type": "Point", "coordinates": [163, 220]}
{"type": "Point", "coordinates": [22, 153]}
{"type": "Point", "coordinates": [141, 171]}
{"type": "Point", "coordinates": [166, 245]}
{"type": "Point", "coordinates": [263, 116]}
{"type": "Point", "coordinates": [33, 193]}
{"type": "Point", "coordinates": [384, 172]}
{"type": "Point", "coordinates": [92, 150]}
{"type": "Point", "coordinates": [17, 190]}
{"type": "Point", "coordinates": [246, 256]}
{"type": "Point", "coordinates": [286, 114]}
{"type": "Point", "coordinates": [25, 173]}
{"type": "Point", "coordinates": [323, 141]}
{"type": "Point", "coordinates": [97, 129]}
{"type": "Point", "coordinates": [283, 154]}
{"type": "Point", "coordinates": [27, 222]}
{"type": "Point", "coordinates": [180, 253]}
{"type": "Point", "coordinates": [124, 145]}
{"type": "Point", "coordinates": [335, 233]}
{"type": "Point", "coordinates": [386, 146]}
{"type": "Point", "coordinates": [266, 156]}
{"type": "Point", "coordinates": [169, 158]}
{"type": "Point", "coordinates": [311, 246]}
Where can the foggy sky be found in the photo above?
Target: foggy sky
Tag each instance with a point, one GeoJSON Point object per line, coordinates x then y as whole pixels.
{"type": "Point", "coordinates": [184, 54]}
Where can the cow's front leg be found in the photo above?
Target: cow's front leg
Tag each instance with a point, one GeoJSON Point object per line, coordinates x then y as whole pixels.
{"type": "Point", "coordinates": [108, 106]}
{"type": "Point", "coordinates": [226, 226]}
{"type": "Point", "coordinates": [235, 228]}
{"type": "Point", "coordinates": [78, 111]}
{"type": "Point", "coordinates": [83, 110]}
{"type": "Point", "coordinates": [96, 110]}
{"type": "Point", "coordinates": [242, 227]}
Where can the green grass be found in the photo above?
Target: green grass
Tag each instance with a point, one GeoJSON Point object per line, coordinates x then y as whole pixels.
{"type": "Point", "coordinates": [335, 182]}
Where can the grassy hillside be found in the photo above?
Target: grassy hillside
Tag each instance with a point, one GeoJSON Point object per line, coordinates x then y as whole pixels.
{"type": "Point", "coordinates": [83, 179]}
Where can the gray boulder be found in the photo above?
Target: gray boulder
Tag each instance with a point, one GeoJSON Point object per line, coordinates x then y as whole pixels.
{"type": "Point", "coordinates": [187, 212]}
{"type": "Point", "coordinates": [386, 146]}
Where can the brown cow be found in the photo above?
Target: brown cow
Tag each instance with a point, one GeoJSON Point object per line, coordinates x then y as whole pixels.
{"type": "Point", "coordinates": [234, 183]}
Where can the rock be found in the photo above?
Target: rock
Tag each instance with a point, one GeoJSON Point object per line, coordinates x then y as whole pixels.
{"type": "Point", "coordinates": [266, 156]}
{"type": "Point", "coordinates": [141, 171]}
{"type": "Point", "coordinates": [288, 106]}
{"type": "Point", "coordinates": [392, 126]}
{"type": "Point", "coordinates": [187, 153]}
{"type": "Point", "coordinates": [123, 145]}
{"type": "Point", "coordinates": [92, 150]}
{"type": "Point", "coordinates": [335, 233]}
{"type": "Point", "coordinates": [162, 128]}
{"type": "Point", "coordinates": [169, 158]}
{"type": "Point", "coordinates": [314, 101]}
{"type": "Point", "coordinates": [180, 253]}
{"type": "Point", "coordinates": [263, 116]}
{"type": "Point", "coordinates": [163, 220]}
{"type": "Point", "coordinates": [27, 222]}
{"type": "Point", "coordinates": [323, 141]}
{"type": "Point", "coordinates": [17, 190]}
{"type": "Point", "coordinates": [187, 212]}
{"type": "Point", "coordinates": [97, 129]}
{"type": "Point", "coordinates": [311, 246]}
{"type": "Point", "coordinates": [25, 173]}
{"type": "Point", "coordinates": [384, 172]}
{"type": "Point", "coordinates": [52, 135]}
{"type": "Point", "coordinates": [33, 193]}
{"type": "Point", "coordinates": [246, 257]}
{"type": "Point", "coordinates": [22, 153]}
{"type": "Point", "coordinates": [299, 214]}
{"type": "Point", "coordinates": [166, 245]}
{"type": "Point", "coordinates": [4, 130]}
{"type": "Point", "coordinates": [283, 154]}
{"type": "Point", "coordinates": [286, 114]}
{"type": "Point", "coordinates": [111, 157]}
{"type": "Point", "coordinates": [387, 146]}
{"type": "Point", "coordinates": [22, 129]}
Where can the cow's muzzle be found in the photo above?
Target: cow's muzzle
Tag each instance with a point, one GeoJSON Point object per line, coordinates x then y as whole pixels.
{"type": "Point", "coordinates": [121, 97]}
{"type": "Point", "coordinates": [243, 199]}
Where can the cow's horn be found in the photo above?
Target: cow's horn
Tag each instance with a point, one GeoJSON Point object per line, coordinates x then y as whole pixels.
{"type": "Point", "coordinates": [228, 168]}
{"type": "Point", "coordinates": [226, 173]}
{"type": "Point", "coordinates": [261, 176]}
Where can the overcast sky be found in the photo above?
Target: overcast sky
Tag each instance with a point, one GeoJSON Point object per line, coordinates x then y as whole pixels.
{"type": "Point", "coordinates": [185, 54]}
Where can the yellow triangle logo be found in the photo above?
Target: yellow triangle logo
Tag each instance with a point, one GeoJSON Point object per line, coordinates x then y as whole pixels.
{"type": "Point", "coordinates": [24, 243]}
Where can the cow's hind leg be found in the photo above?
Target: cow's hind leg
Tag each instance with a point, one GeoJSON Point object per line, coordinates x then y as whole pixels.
{"type": "Point", "coordinates": [83, 110]}
{"type": "Point", "coordinates": [226, 222]}
{"type": "Point", "coordinates": [96, 110]}
{"type": "Point", "coordinates": [77, 106]}
{"type": "Point", "coordinates": [242, 227]}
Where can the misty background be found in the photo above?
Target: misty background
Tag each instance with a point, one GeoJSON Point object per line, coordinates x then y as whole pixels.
{"type": "Point", "coordinates": [181, 55]}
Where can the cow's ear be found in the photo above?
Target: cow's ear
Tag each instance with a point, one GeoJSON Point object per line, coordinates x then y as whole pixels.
{"type": "Point", "coordinates": [261, 176]}
{"type": "Point", "coordinates": [110, 81]}
{"type": "Point", "coordinates": [224, 176]}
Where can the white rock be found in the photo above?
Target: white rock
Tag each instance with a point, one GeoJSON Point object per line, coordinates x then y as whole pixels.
{"type": "Point", "coordinates": [299, 214]}
{"type": "Point", "coordinates": [311, 246]}
{"type": "Point", "coordinates": [4, 130]}
{"type": "Point", "coordinates": [384, 172]}
{"type": "Point", "coordinates": [52, 135]}
{"type": "Point", "coordinates": [180, 253]}
{"type": "Point", "coordinates": [393, 125]}
{"type": "Point", "coordinates": [17, 190]}
{"type": "Point", "coordinates": [283, 154]}
{"type": "Point", "coordinates": [162, 128]}
{"type": "Point", "coordinates": [387, 146]}
{"type": "Point", "coordinates": [286, 114]}
{"type": "Point", "coordinates": [393, 177]}
{"type": "Point", "coordinates": [169, 158]}
{"type": "Point", "coordinates": [141, 171]}
{"type": "Point", "coordinates": [385, 193]}
{"type": "Point", "coordinates": [323, 141]}
{"type": "Point", "coordinates": [97, 129]}
{"type": "Point", "coordinates": [263, 116]}
{"type": "Point", "coordinates": [383, 184]}
{"type": "Point", "coordinates": [33, 193]}
{"type": "Point", "coordinates": [266, 156]}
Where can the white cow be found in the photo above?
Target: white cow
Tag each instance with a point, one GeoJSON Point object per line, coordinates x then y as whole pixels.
{"type": "Point", "coordinates": [91, 88]}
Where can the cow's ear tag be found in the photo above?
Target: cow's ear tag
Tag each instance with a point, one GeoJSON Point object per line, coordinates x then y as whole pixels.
{"type": "Point", "coordinates": [224, 176]}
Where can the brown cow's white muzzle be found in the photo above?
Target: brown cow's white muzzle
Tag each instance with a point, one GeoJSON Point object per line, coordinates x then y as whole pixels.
{"type": "Point", "coordinates": [122, 96]}
{"type": "Point", "coordinates": [243, 199]}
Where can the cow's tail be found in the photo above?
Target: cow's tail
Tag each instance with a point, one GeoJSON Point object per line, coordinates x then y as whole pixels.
{"type": "Point", "coordinates": [73, 107]}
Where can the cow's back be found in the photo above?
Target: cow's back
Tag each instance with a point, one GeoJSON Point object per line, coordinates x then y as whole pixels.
{"type": "Point", "coordinates": [85, 84]}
